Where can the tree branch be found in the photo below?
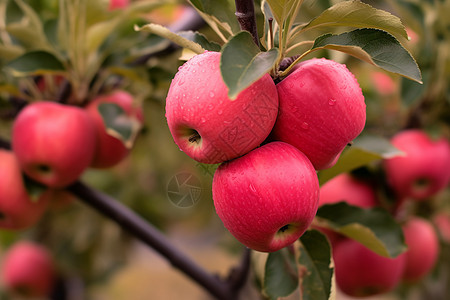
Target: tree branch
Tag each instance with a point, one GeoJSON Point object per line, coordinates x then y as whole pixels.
{"type": "Point", "coordinates": [245, 14]}
{"type": "Point", "coordinates": [142, 230]}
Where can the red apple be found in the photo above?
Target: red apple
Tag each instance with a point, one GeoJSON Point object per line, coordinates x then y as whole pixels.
{"type": "Point", "coordinates": [110, 150]}
{"type": "Point", "coordinates": [345, 187]}
{"type": "Point", "coordinates": [383, 83]}
{"type": "Point", "coordinates": [425, 168]}
{"type": "Point", "coordinates": [322, 109]}
{"type": "Point", "coordinates": [442, 222]}
{"type": "Point", "coordinates": [207, 125]}
{"type": "Point", "coordinates": [54, 143]}
{"type": "Point", "coordinates": [423, 249]}
{"type": "Point", "coordinates": [17, 210]}
{"type": "Point", "coordinates": [268, 197]}
{"type": "Point", "coordinates": [28, 270]}
{"type": "Point", "coordinates": [118, 4]}
{"type": "Point", "coordinates": [361, 272]}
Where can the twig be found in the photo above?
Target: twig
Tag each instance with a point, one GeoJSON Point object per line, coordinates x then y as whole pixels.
{"type": "Point", "coordinates": [245, 14]}
{"type": "Point", "coordinates": [145, 232]}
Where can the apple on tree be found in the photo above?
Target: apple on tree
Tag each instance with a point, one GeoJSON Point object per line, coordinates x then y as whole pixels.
{"type": "Point", "coordinates": [17, 210]}
{"type": "Point", "coordinates": [361, 272]}
{"type": "Point", "coordinates": [109, 149]}
{"type": "Point", "coordinates": [423, 249]}
{"type": "Point", "coordinates": [206, 124]}
{"type": "Point", "coordinates": [424, 170]}
{"type": "Point", "coordinates": [322, 109]}
{"type": "Point", "coordinates": [268, 197]}
{"type": "Point", "coordinates": [54, 143]}
{"type": "Point", "coordinates": [28, 270]}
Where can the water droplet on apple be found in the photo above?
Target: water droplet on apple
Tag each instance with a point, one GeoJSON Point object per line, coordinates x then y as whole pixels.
{"type": "Point", "coordinates": [211, 94]}
{"type": "Point", "coordinates": [305, 125]}
{"type": "Point", "coordinates": [181, 82]}
{"type": "Point", "coordinates": [210, 106]}
{"type": "Point", "coordinates": [219, 112]}
{"type": "Point", "coordinates": [332, 102]}
{"type": "Point", "coordinates": [203, 120]}
{"type": "Point", "coordinates": [252, 188]}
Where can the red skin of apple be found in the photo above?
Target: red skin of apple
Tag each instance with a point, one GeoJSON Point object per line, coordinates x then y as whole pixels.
{"type": "Point", "coordinates": [118, 4]}
{"type": "Point", "coordinates": [54, 143]}
{"type": "Point", "coordinates": [206, 124]}
{"type": "Point", "coordinates": [110, 150]}
{"type": "Point", "coordinates": [424, 170]}
{"type": "Point", "coordinates": [361, 272]}
{"type": "Point", "coordinates": [423, 249]}
{"type": "Point", "coordinates": [16, 207]}
{"type": "Point", "coordinates": [442, 223]}
{"type": "Point", "coordinates": [28, 270]}
{"type": "Point", "coordinates": [345, 187]}
{"type": "Point", "coordinates": [322, 109]}
{"type": "Point", "coordinates": [268, 197]}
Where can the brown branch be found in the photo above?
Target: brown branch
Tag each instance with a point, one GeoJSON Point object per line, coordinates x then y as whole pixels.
{"type": "Point", "coordinates": [245, 14]}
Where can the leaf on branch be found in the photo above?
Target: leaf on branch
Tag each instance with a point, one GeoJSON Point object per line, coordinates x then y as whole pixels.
{"type": "Point", "coordinates": [354, 13]}
{"type": "Point", "coordinates": [374, 46]}
{"type": "Point", "coordinates": [118, 124]}
{"type": "Point", "coordinates": [280, 276]}
{"type": "Point", "coordinates": [375, 228]}
{"type": "Point", "coordinates": [316, 265]}
{"type": "Point", "coordinates": [200, 39]}
{"type": "Point", "coordinates": [283, 10]}
{"type": "Point", "coordinates": [219, 14]}
{"type": "Point", "coordinates": [166, 33]}
{"type": "Point", "coordinates": [36, 63]}
{"type": "Point", "coordinates": [364, 150]}
{"type": "Point", "coordinates": [242, 63]}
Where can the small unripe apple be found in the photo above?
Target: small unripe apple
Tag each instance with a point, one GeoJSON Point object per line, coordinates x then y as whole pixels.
{"type": "Point", "coordinates": [424, 170]}
{"type": "Point", "coordinates": [54, 143]}
{"type": "Point", "coordinates": [109, 149]}
{"type": "Point", "coordinates": [268, 197]}
{"type": "Point", "coordinates": [361, 272]}
{"type": "Point", "coordinates": [206, 124]}
{"type": "Point", "coordinates": [423, 249]}
{"type": "Point", "coordinates": [345, 187]}
{"type": "Point", "coordinates": [28, 270]}
{"type": "Point", "coordinates": [322, 109]}
{"type": "Point", "coordinates": [17, 210]}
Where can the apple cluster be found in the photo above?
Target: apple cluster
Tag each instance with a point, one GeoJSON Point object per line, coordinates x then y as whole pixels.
{"type": "Point", "coordinates": [422, 172]}
{"type": "Point", "coordinates": [52, 145]}
{"type": "Point", "coordinates": [269, 141]}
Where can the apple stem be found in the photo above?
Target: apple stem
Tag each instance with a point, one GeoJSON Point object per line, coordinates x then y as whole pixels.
{"type": "Point", "coordinates": [245, 14]}
{"type": "Point", "coordinates": [145, 232]}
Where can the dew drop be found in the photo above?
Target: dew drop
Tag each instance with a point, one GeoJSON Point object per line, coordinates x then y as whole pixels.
{"type": "Point", "coordinates": [252, 188]}
{"type": "Point", "coordinates": [203, 120]}
{"type": "Point", "coordinates": [332, 102]}
{"type": "Point", "coordinates": [181, 82]}
{"type": "Point", "coordinates": [210, 106]}
{"type": "Point", "coordinates": [305, 125]}
{"type": "Point", "coordinates": [211, 94]}
{"type": "Point", "coordinates": [219, 112]}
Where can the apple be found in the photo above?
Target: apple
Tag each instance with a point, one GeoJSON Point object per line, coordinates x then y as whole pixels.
{"type": "Point", "coordinates": [423, 249]}
{"type": "Point", "coordinates": [442, 222]}
{"type": "Point", "coordinates": [118, 4]}
{"type": "Point", "coordinates": [383, 83]}
{"type": "Point", "coordinates": [361, 272]}
{"type": "Point", "coordinates": [322, 109]}
{"type": "Point", "coordinates": [110, 150]}
{"type": "Point", "coordinates": [28, 270]}
{"type": "Point", "coordinates": [54, 143]}
{"type": "Point", "coordinates": [268, 197]}
{"type": "Point", "coordinates": [206, 124]}
{"type": "Point", "coordinates": [424, 170]}
{"type": "Point", "coordinates": [17, 210]}
{"type": "Point", "coordinates": [346, 187]}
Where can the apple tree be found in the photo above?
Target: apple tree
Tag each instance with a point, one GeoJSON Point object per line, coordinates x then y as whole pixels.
{"type": "Point", "coordinates": [314, 140]}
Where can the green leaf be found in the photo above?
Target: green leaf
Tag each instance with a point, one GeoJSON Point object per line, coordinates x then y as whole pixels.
{"type": "Point", "coordinates": [375, 228]}
{"type": "Point", "coordinates": [374, 46]}
{"type": "Point", "coordinates": [280, 276]}
{"type": "Point", "coordinates": [35, 63]}
{"type": "Point", "coordinates": [283, 9]}
{"type": "Point", "coordinates": [242, 63]}
{"type": "Point", "coordinates": [354, 13]}
{"type": "Point", "coordinates": [9, 52]}
{"type": "Point", "coordinates": [315, 266]}
{"type": "Point", "coordinates": [364, 150]}
{"type": "Point", "coordinates": [118, 124]}
{"type": "Point", "coordinates": [200, 39]}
